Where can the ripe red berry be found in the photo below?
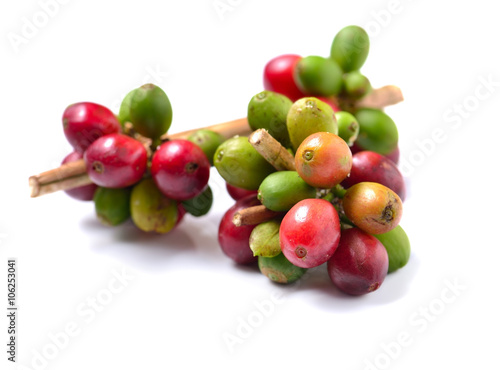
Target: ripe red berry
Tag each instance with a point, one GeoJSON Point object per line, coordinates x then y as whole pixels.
{"type": "Point", "coordinates": [180, 169]}
{"type": "Point", "coordinates": [393, 156]}
{"type": "Point", "coordinates": [115, 161]}
{"type": "Point", "coordinates": [238, 193]}
{"type": "Point", "coordinates": [234, 240]}
{"type": "Point", "coordinates": [85, 192]}
{"type": "Point", "coordinates": [310, 233]}
{"type": "Point", "coordinates": [278, 76]}
{"type": "Point", "coordinates": [370, 166]}
{"type": "Point", "coordinates": [85, 122]}
{"type": "Point", "coordinates": [360, 264]}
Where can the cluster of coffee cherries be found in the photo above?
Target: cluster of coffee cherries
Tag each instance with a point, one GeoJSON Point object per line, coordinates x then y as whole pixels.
{"type": "Point", "coordinates": [136, 172]}
{"type": "Point", "coordinates": [341, 204]}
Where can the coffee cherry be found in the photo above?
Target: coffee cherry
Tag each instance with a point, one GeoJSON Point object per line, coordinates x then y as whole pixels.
{"type": "Point", "coordinates": [208, 141]}
{"type": "Point", "coordinates": [359, 265]}
{"type": "Point", "coordinates": [112, 206]}
{"type": "Point", "coordinates": [85, 122]}
{"type": "Point", "coordinates": [85, 192]}
{"type": "Point", "coordinates": [308, 116]}
{"type": "Point", "coordinates": [323, 160]}
{"type": "Point", "coordinates": [279, 270]}
{"type": "Point", "coordinates": [356, 85]}
{"type": "Point", "coordinates": [369, 166]}
{"type": "Point", "coordinates": [240, 164]}
{"type": "Point", "coordinates": [150, 111]}
{"type": "Point", "coordinates": [268, 110]}
{"type": "Point", "coordinates": [377, 131]}
{"type": "Point", "coordinates": [372, 207]}
{"type": "Point", "coordinates": [315, 75]}
{"type": "Point", "coordinates": [281, 190]}
{"type": "Point", "coordinates": [124, 112]}
{"type": "Point", "coordinates": [350, 48]}
{"type": "Point", "coordinates": [115, 161]}
{"type": "Point", "coordinates": [348, 127]}
{"type": "Point", "coordinates": [180, 169]}
{"type": "Point", "coordinates": [151, 210]}
{"type": "Point", "coordinates": [398, 248]}
{"type": "Point", "coordinates": [234, 240]}
{"type": "Point", "coordinates": [310, 233]}
{"type": "Point", "coordinates": [278, 76]}
{"type": "Point", "coordinates": [238, 193]}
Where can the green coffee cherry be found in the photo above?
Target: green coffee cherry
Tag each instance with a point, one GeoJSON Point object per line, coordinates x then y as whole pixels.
{"type": "Point", "coordinates": [348, 127]}
{"type": "Point", "coordinates": [199, 205]}
{"type": "Point", "coordinates": [356, 85]}
{"type": "Point", "coordinates": [240, 164]}
{"type": "Point", "coordinates": [398, 248]}
{"type": "Point", "coordinates": [124, 112]}
{"type": "Point", "coordinates": [350, 48]}
{"type": "Point", "coordinates": [150, 209]}
{"type": "Point", "coordinates": [150, 111]}
{"type": "Point", "coordinates": [308, 116]}
{"type": "Point", "coordinates": [377, 131]}
{"type": "Point", "coordinates": [265, 240]}
{"type": "Point", "coordinates": [281, 190]}
{"type": "Point", "coordinates": [112, 206]}
{"type": "Point", "coordinates": [316, 75]}
{"type": "Point", "coordinates": [280, 270]}
{"type": "Point", "coordinates": [268, 110]}
{"type": "Point", "coordinates": [208, 141]}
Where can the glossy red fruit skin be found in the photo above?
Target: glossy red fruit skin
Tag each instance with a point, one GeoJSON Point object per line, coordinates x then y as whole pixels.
{"type": "Point", "coordinates": [84, 193]}
{"type": "Point", "coordinates": [360, 264]}
{"type": "Point", "coordinates": [180, 169]}
{"type": "Point", "coordinates": [234, 240]}
{"type": "Point", "coordinates": [115, 161]}
{"type": "Point", "coordinates": [368, 166]}
{"type": "Point", "coordinates": [393, 156]}
{"type": "Point", "coordinates": [278, 76]}
{"type": "Point", "coordinates": [238, 193]}
{"type": "Point", "coordinates": [85, 122]}
{"type": "Point", "coordinates": [310, 233]}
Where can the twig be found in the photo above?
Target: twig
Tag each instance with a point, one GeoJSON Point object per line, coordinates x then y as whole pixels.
{"type": "Point", "coordinates": [254, 215]}
{"type": "Point", "coordinates": [382, 97]}
{"type": "Point", "coordinates": [272, 150]}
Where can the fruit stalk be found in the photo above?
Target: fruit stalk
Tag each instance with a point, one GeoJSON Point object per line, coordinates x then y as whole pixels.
{"type": "Point", "coordinates": [71, 175]}
{"type": "Point", "coordinates": [272, 150]}
{"type": "Point", "coordinates": [382, 97]}
{"type": "Point", "coordinates": [254, 215]}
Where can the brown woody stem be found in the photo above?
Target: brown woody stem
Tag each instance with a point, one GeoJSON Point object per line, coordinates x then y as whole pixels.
{"type": "Point", "coordinates": [272, 150]}
{"type": "Point", "coordinates": [254, 215]}
{"type": "Point", "coordinates": [382, 97]}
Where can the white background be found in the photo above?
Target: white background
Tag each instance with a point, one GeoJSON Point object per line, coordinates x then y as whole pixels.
{"type": "Point", "coordinates": [184, 297]}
